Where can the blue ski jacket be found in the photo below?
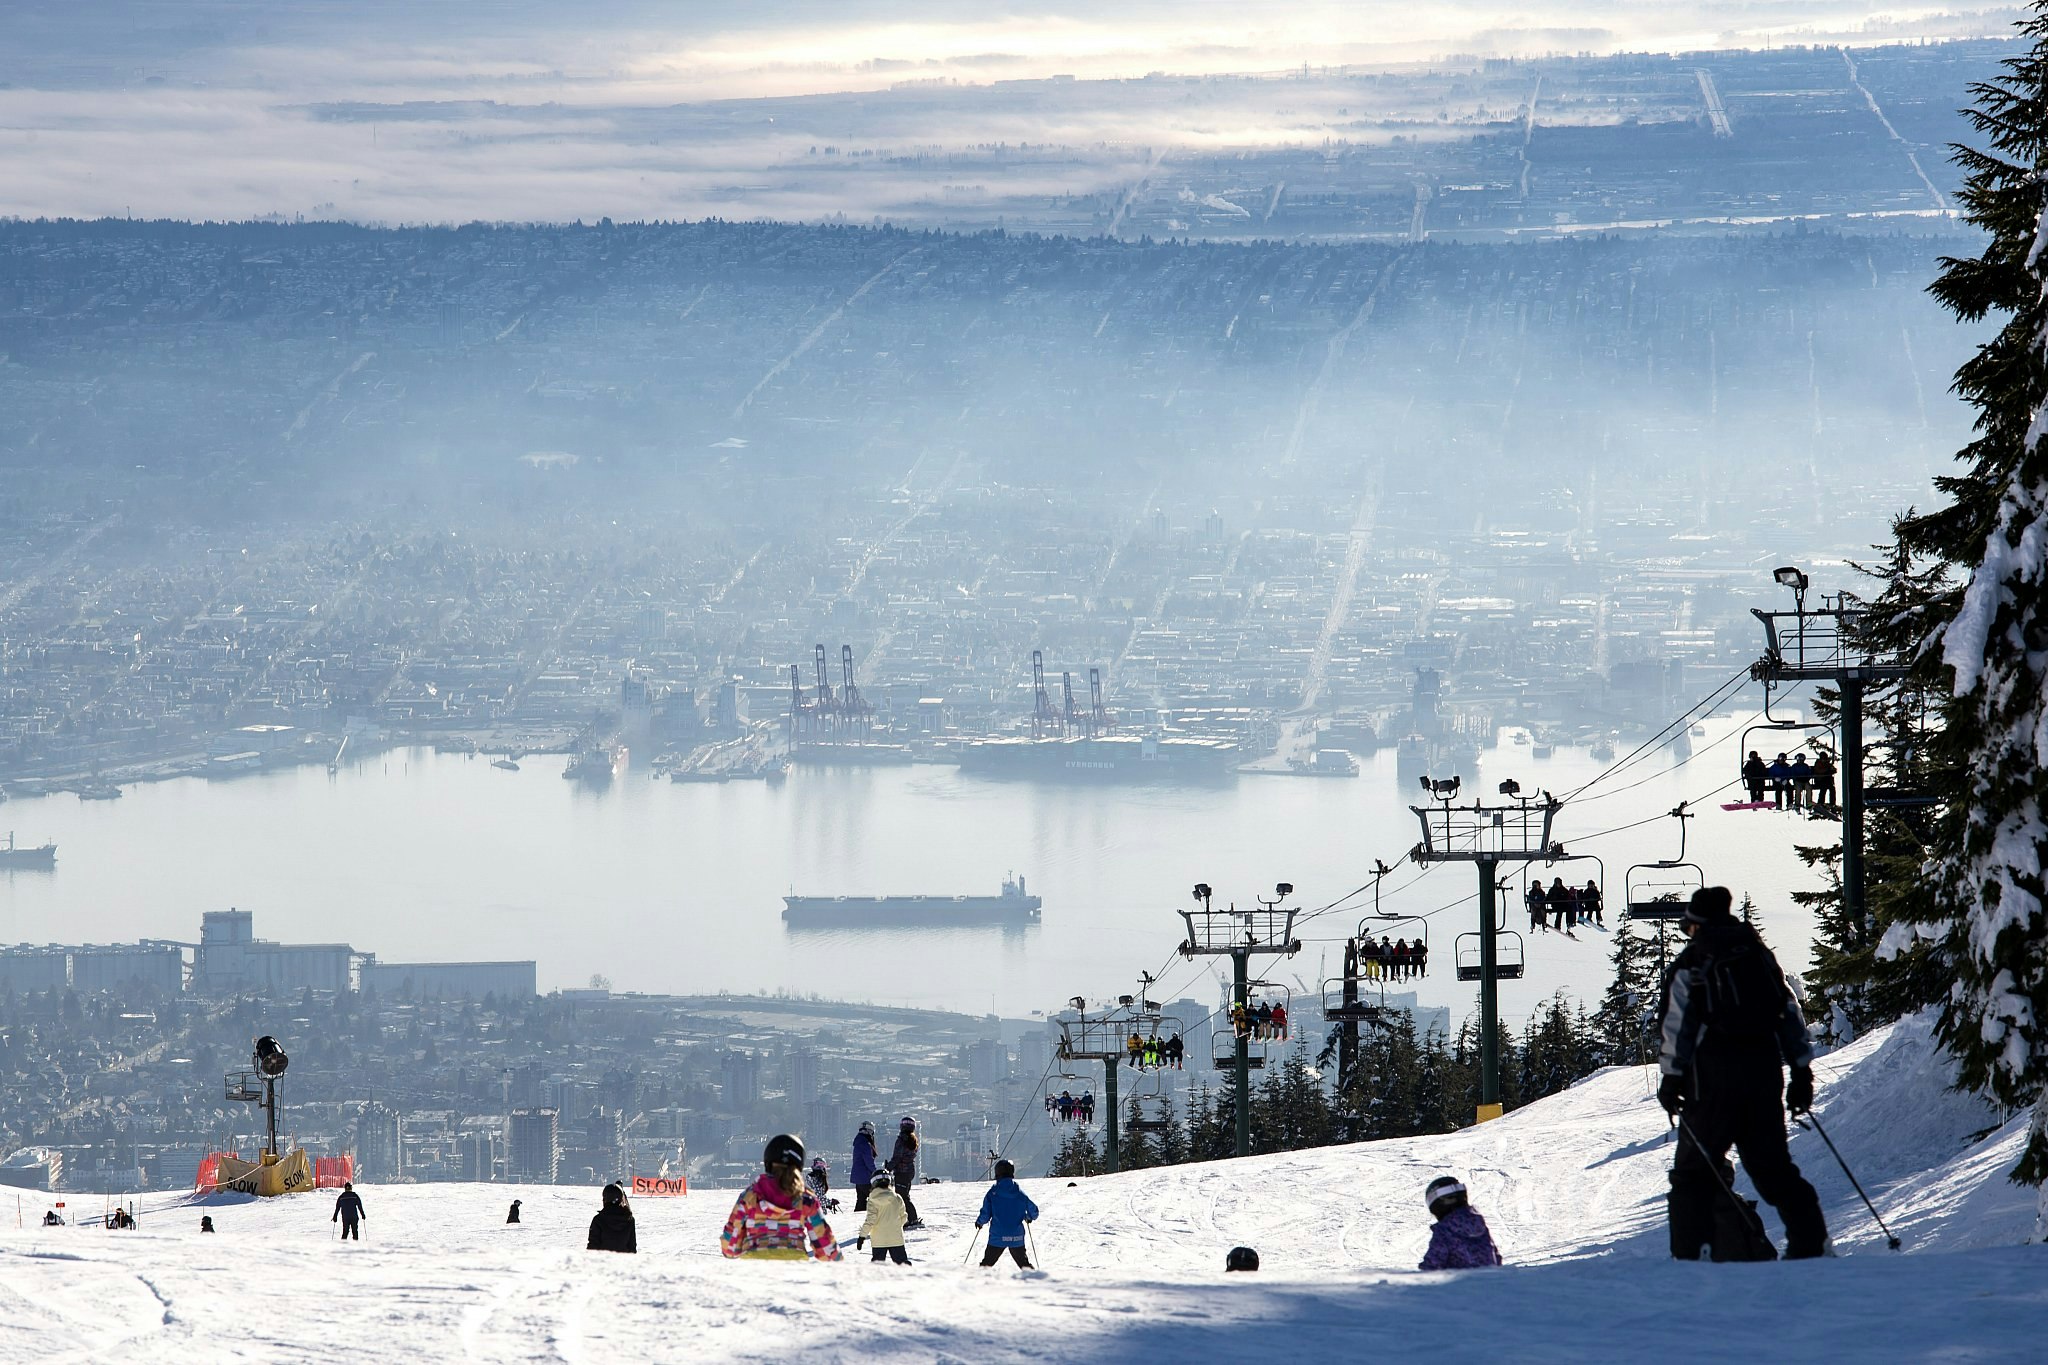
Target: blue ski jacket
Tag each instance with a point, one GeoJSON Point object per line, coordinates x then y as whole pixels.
{"type": "Point", "coordinates": [863, 1172]}
{"type": "Point", "coordinates": [1005, 1209]}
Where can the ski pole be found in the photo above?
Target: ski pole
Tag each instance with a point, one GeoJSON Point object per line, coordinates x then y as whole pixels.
{"type": "Point", "coordinates": [1810, 1120]}
{"type": "Point", "coordinates": [972, 1238]}
{"type": "Point", "coordinates": [1035, 1262]}
{"type": "Point", "coordinates": [1748, 1213]}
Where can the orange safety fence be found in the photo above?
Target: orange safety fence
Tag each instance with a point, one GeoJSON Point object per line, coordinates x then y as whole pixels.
{"type": "Point", "coordinates": [332, 1172]}
{"type": "Point", "coordinates": [209, 1170]}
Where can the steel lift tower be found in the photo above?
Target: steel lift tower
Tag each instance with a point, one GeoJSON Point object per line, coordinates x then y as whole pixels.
{"type": "Point", "coordinates": [1820, 645]}
{"type": "Point", "coordinates": [1238, 934]}
{"type": "Point", "coordinates": [1488, 836]}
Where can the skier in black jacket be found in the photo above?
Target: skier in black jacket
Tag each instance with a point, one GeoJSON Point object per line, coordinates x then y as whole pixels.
{"type": "Point", "coordinates": [612, 1229]}
{"type": "Point", "coordinates": [348, 1211]}
{"type": "Point", "coordinates": [1729, 1023]}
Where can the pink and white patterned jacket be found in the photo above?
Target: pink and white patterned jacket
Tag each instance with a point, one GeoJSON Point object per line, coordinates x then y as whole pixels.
{"type": "Point", "coordinates": [764, 1224]}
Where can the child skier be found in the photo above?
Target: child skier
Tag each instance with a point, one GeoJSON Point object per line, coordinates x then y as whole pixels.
{"type": "Point", "coordinates": [1460, 1240]}
{"type": "Point", "coordinates": [820, 1181]}
{"type": "Point", "coordinates": [884, 1226]}
{"type": "Point", "coordinates": [1005, 1209]}
{"type": "Point", "coordinates": [777, 1217]}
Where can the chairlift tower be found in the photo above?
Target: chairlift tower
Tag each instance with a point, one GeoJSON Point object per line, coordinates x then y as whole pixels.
{"type": "Point", "coordinates": [1101, 1037]}
{"type": "Point", "coordinates": [1488, 836]}
{"type": "Point", "coordinates": [1350, 1008]}
{"type": "Point", "coordinates": [1822, 644]}
{"type": "Point", "coordinates": [1238, 934]}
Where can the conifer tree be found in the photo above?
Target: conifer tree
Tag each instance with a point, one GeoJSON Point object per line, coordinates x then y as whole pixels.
{"type": "Point", "coordinates": [1078, 1155]}
{"type": "Point", "coordinates": [1631, 996]}
{"type": "Point", "coordinates": [1978, 636]}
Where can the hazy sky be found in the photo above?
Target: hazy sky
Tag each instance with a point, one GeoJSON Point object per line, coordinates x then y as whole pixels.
{"type": "Point", "coordinates": [210, 108]}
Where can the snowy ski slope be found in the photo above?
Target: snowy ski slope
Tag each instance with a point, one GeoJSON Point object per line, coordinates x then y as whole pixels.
{"type": "Point", "coordinates": [1132, 1264]}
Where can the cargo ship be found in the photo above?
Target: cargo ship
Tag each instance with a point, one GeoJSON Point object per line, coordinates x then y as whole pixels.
{"type": "Point", "coordinates": [1014, 906]}
{"type": "Point", "coordinates": [15, 855]}
{"type": "Point", "coordinates": [1103, 758]}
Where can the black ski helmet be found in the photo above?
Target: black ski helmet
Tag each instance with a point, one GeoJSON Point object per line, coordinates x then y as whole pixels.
{"type": "Point", "coordinates": [1006, 1170]}
{"type": "Point", "coordinates": [881, 1180]}
{"type": "Point", "coordinates": [613, 1194]}
{"type": "Point", "coordinates": [1445, 1193]}
{"type": "Point", "coordinates": [1241, 1258]}
{"type": "Point", "coordinates": [781, 1149]}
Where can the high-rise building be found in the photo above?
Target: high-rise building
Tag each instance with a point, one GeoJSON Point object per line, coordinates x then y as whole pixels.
{"type": "Point", "coordinates": [533, 1146]}
{"type": "Point", "coordinates": [380, 1145]}
{"type": "Point", "coordinates": [742, 1077]}
{"type": "Point", "coordinates": [801, 1080]}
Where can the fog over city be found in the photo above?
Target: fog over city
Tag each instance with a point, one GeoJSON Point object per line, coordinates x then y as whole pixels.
{"type": "Point", "coordinates": [624, 579]}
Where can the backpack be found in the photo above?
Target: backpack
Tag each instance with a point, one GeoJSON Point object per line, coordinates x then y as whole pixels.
{"type": "Point", "coordinates": [1742, 992]}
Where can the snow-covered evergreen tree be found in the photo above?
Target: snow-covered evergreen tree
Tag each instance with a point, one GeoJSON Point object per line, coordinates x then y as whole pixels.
{"type": "Point", "coordinates": [1631, 995]}
{"type": "Point", "coordinates": [1985, 633]}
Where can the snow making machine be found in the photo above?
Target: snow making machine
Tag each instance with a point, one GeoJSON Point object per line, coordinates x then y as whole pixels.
{"type": "Point", "coordinates": [273, 1172]}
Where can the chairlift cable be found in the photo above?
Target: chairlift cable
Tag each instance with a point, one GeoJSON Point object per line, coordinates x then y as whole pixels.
{"type": "Point", "coordinates": [1664, 736]}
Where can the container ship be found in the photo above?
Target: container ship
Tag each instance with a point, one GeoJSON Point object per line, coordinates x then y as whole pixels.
{"type": "Point", "coordinates": [1103, 758]}
{"type": "Point", "coordinates": [16, 855]}
{"type": "Point", "coordinates": [1014, 906]}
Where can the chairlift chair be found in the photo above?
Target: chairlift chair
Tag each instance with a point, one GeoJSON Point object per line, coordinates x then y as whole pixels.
{"type": "Point", "coordinates": [1661, 890]}
{"type": "Point", "coordinates": [1411, 929]}
{"type": "Point", "coordinates": [1508, 960]}
{"type": "Point", "coordinates": [1599, 879]}
{"type": "Point", "coordinates": [1335, 1010]}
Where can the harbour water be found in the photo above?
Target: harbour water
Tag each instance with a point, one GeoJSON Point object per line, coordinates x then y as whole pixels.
{"type": "Point", "coordinates": [677, 887]}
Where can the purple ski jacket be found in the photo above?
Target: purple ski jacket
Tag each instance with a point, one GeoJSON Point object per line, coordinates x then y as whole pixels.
{"type": "Point", "coordinates": [1460, 1242]}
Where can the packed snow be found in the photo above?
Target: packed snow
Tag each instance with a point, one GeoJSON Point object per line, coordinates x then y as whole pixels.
{"type": "Point", "coordinates": [1130, 1264]}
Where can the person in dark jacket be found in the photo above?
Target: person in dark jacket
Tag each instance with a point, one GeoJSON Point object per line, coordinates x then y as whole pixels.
{"type": "Point", "coordinates": [1460, 1240]}
{"type": "Point", "coordinates": [348, 1211]}
{"type": "Point", "coordinates": [612, 1229]}
{"type": "Point", "coordinates": [1754, 776]}
{"type": "Point", "coordinates": [206, 1222]}
{"type": "Point", "coordinates": [1730, 1022]}
{"type": "Point", "coordinates": [864, 1165]}
{"type": "Point", "coordinates": [903, 1165]}
{"type": "Point", "coordinates": [1005, 1209]}
{"type": "Point", "coordinates": [512, 1214]}
{"type": "Point", "coordinates": [1780, 774]}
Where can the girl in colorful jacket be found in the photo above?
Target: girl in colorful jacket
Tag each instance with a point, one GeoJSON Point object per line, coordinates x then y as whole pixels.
{"type": "Point", "coordinates": [777, 1218]}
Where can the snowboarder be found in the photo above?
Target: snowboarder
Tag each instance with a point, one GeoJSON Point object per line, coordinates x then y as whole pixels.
{"type": "Point", "coordinates": [53, 1219]}
{"type": "Point", "coordinates": [1460, 1240]}
{"type": "Point", "coordinates": [1802, 777]}
{"type": "Point", "coordinates": [612, 1227]}
{"type": "Point", "coordinates": [884, 1226]}
{"type": "Point", "coordinates": [1005, 1209]}
{"type": "Point", "coordinates": [1590, 903]}
{"type": "Point", "coordinates": [864, 1164]}
{"type": "Point", "coordinates": [1280, 1022]}
{"type": "Point", "coordinates": [1087, 1103]}
{"type": "Point", "coordinates": [512, 1214]}
{"type": "Point", "coordinates": [777, 1218]}
{"type": "Point", "coordinates": [348, 1211]}
{"type": "Point", "coordinates": [903, 1166]}
{"type": "Point", "coordinates": [1560, 898]}
{"type": "Point", "coordinates": [1729, 1022]}
{"type": "Point", "coordinates": [1533, 898]}
{"type": "Point", "coordinates": [1754, 775]}
{"type": "Point", "coordinates": [1176, 1050]}
{"type": "Point", "coordinates": [206, 1222]}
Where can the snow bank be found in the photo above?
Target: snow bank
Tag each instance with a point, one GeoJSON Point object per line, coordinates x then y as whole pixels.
{"type": "Point", "coordinates": [1573, 1187]}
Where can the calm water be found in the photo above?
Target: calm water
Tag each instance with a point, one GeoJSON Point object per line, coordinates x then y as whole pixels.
{"type": "Point", "coordinates": [668, 887]}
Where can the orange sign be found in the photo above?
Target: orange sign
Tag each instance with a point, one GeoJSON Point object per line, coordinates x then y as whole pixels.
{"type": "Point", "coordinates": [654, 1187]}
